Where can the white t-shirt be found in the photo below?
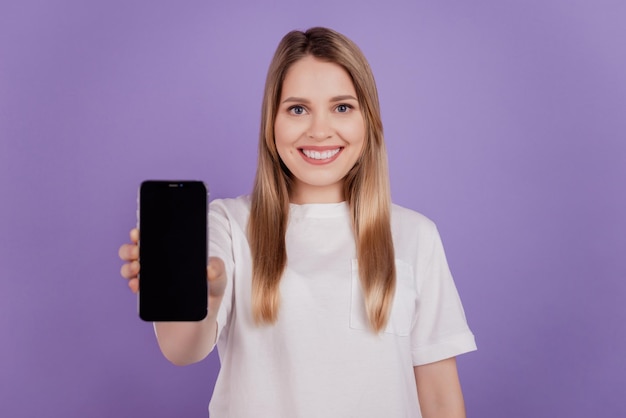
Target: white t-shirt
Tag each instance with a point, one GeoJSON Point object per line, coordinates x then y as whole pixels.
{"type": "Point", "coordinates": [320, 358]}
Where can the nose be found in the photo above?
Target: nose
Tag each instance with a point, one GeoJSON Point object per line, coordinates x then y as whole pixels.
{"type": "Point", "coordinates": [320, 128]}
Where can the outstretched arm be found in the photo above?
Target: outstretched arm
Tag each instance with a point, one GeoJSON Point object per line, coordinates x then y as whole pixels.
{"type": "Point", "coordinates": [181, 343]}
{"type": "Point", "coordinates": [185, 343]}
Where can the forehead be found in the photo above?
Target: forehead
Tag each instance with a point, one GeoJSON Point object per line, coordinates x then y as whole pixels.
{"type": "Point", "coordinates": [311, 76]}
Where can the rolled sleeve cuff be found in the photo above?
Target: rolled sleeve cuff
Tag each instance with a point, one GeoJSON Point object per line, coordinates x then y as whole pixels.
{"type": "Point", "coordinates": [450, 347]}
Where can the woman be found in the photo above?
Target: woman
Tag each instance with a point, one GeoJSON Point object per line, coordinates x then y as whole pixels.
{"type": "Point", "coordinates": [325, 299]}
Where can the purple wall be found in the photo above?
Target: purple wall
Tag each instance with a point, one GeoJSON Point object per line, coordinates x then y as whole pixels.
{"type": "Point", "coordinates": [505, 121]}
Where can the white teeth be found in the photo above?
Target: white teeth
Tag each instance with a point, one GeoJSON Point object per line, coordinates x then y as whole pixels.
{"type": "Point", "coordinates": [324, 155]}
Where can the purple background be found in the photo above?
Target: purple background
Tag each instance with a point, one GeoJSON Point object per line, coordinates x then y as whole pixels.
{"type": "Point", "coordinates": [505, 123]}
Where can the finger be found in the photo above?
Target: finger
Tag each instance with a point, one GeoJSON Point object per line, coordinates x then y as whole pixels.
{"type": "Point", "coordinates": [215, 268]}
{"type": "Point", "coordinates": [134, 285]}
{"type": "Point", "coordinates": [130, 270]}
{"type": "Point", "coordinates": [216, 275]}
{"type": "Point", "coordinates": [129, 252]}
{"type": "Point", "coordinates": [125, 271]}
{"type": "Point", "coordinates": [134, 235]}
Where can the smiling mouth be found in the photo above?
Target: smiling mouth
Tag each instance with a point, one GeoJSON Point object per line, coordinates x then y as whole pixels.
{"type": "Point", "coordinates": [320, 155]}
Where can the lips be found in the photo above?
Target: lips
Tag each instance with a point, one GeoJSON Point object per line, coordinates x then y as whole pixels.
{"type": "Point", "coordinates": [320, 155]}
{"type": "Point", "coordinates": [317, 155]}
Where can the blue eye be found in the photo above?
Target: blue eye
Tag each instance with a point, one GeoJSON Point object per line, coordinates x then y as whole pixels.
{"type": "Point", "coordinates": [343, 108]}
{"type": "Point", "coordinates": [296, 110]}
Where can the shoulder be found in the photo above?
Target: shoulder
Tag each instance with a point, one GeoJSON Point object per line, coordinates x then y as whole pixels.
{"type": "Point", "coordinates": [240, 204]}
{"type": "Point", "coordinates": [413, 233]}
{"type": "Point", "coordinates": [231, 210]}
{"type": "Point", "coordinates": [405, 218]}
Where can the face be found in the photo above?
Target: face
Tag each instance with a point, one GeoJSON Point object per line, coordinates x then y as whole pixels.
{"type": "Point", "coordinates": [319, 129]}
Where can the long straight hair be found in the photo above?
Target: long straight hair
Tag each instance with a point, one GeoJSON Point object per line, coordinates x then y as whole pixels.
{"type": "Point", "coordinates": [366, 186]}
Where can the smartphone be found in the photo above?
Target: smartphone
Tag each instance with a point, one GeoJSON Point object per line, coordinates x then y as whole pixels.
{"type": "Point", "coordinates": [172, 222]}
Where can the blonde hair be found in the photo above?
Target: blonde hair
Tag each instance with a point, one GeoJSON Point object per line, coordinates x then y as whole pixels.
{"type": "Point", "coordinates": [366, 186]}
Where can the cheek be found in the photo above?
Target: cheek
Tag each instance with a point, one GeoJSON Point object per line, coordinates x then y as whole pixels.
{"type": "Point", "coordinates": [283, 132]}
{"type": "Point", "coordinates": [358, 138]}
{"type": "Point", "coordinates": [354, 132]}
{"type": "Point", "coordinates": [281, 139]}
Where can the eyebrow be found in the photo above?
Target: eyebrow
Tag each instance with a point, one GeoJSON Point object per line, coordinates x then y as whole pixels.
{"type": "Point", "coordinates": [333, 99]}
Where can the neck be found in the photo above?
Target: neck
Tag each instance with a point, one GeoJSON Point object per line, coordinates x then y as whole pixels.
{"type": "Point", "coordinates": [303, 194]}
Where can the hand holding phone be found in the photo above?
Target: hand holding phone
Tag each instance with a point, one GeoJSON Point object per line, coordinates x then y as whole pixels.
{"type": "Point", "coordinates": [130, 254]}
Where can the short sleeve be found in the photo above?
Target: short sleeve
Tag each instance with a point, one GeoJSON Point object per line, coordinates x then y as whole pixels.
{"type": "Point", "coordinates": [440, 329]}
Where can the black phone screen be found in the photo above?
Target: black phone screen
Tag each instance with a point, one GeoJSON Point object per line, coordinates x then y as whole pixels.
{"type": "Point", "coordinates": [172, 251]}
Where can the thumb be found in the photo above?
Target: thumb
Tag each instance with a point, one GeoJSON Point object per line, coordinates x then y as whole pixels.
{"type": "Point", "coordinates": [216, 275]}
{"type": "Point", "coordinates": [215, 269]}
